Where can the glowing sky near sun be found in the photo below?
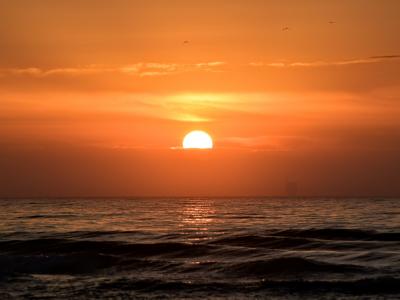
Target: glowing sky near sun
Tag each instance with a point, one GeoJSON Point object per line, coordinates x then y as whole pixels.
{"type": "Point", "coordinates": [96, 97]}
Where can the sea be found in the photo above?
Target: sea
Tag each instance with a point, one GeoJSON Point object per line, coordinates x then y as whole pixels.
{"type": "Point", "coordinates": [200, 248]}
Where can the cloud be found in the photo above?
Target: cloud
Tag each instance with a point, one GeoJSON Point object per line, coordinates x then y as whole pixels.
{"type": "Point", "coordinates": [385, 57]}
{"type": "Point", "coordinates": [156, 69]}
{"type": "Point", "coordinates": [354, 76]}
{"type": "Point", "coordinates": [368, 60]}
{"type": "Point", "coordinates": [140, 69]}
{"type": "Point", "coordinates": [268, 142]}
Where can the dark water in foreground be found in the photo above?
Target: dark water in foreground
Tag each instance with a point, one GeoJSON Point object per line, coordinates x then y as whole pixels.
{"type": "Point", "coordinates": [200, 248]}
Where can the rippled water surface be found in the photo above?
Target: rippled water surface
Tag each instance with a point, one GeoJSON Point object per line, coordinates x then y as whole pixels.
{"type": "Point", "coordinates": [200, 248]}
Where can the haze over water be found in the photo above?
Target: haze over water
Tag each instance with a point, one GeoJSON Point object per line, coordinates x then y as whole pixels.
{"type": "Point", "coordinates": [200, 248]}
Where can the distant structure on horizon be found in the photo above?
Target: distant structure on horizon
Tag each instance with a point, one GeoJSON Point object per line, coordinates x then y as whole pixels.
{"type": "Point", "coordinates": [291, 188]}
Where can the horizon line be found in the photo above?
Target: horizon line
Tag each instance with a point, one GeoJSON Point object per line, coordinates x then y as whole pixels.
{"type": "Point", "coordinates": [134, 197]}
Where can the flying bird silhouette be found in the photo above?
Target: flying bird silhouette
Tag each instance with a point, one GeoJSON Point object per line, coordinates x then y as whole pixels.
{"type": "Point", "coordinates": [332, 22]}
{"type": "Point", "coordinates": [285, 28]}
{"type": "Point", "coordinates": [185, 42]}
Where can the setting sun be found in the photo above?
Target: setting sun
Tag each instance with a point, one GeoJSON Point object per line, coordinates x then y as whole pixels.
{"type": "Point", "coordinates": [197, 140]}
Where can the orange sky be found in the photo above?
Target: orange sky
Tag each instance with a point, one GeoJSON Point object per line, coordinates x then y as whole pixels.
{"type": "Point", "coordinates": [95, 95]}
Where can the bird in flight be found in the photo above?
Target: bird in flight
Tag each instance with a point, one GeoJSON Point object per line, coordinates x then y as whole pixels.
{"type": "Point", "coordinates": [332, 22]}
{"type": "Point", "coordinates": [186, 42]}
{"type": "Point", "coordinates": [285, 28]}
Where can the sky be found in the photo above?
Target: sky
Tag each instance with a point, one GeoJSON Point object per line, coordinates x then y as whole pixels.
{"type": "Point", "coordinates": [96, 97]}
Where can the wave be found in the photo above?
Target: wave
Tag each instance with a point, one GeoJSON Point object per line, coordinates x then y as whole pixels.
{"type": "Point", "coordinates": [291, 266]}
{"type": "Point", "coordinates": [282, 254]}
{"type": "Point", "coordinates": [323, 239]}
{"type": "Point", "coordinates": [47, 216]}
{"type": "Point", "coordinates": [294, 236]}
{"type": "Point", "coordinates": [84, 262]}
{"type": "Point", "coordinates": [340, 234]}
{"type": "Point", "coordinates": [368, 286]}
{"type": "Point", "coordinates": [63, 246]}
{"type": "Point", "coordinates": [73, 264]}
{"type": "Point", "coordinates": [134, 286]}
{"type": "Point", "coordinates": [275, 242]}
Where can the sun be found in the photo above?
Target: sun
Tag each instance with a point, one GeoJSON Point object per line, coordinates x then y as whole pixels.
{"type": "Point", "coordinates": [197, 139]}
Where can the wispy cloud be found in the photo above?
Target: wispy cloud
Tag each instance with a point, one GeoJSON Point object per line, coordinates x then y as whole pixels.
{"type": "Point", "coordinates": [385, 57]}
{"type": "Point", "coordinates": [138, 69]}
{"type": "Point", "coordinates": [281, 143]}
{"type": "Point", "coordinates": [368, 60]}
{"type": "Point", "coordinates": [156, 69]}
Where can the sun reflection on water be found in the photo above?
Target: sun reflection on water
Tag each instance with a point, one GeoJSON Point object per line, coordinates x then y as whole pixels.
{"type": "Point", "coordinates": [197, 216]}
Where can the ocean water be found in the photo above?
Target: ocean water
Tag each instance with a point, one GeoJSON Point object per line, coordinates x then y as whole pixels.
{"type": "Point", "coordinates": [210, 248]}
